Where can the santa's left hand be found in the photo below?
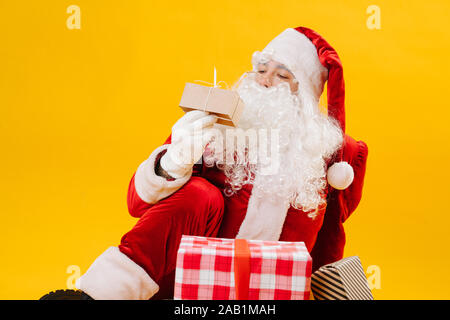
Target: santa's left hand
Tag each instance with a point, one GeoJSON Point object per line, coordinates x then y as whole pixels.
{"type": "Point", "coordinates": [340, 175]}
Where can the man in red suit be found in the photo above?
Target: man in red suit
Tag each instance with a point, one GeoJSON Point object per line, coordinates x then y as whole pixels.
{"type": "Point", "coordinates": [198, 184]}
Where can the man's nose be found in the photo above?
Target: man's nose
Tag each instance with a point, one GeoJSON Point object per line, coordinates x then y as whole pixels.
{"type": "Point", "coordinates": [265, 81]}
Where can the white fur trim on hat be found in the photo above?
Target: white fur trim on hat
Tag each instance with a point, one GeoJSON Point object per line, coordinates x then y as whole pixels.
{"type": "Point", "coordinates": [340, 175]}
{"type": "Point", "coordinates": [149, 186]}
{"type": "Point", "coordinates": [299, 55]}
{"type": "Point", "coordinates": [114, 276]}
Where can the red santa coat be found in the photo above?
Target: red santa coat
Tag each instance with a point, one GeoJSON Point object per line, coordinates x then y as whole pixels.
{"type": "Point", "coordinates": [144, 263]}
{"type": "Point", "coordinates": [324, 235]}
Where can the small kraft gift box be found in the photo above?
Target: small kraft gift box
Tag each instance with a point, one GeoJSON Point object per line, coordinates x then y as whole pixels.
{"type": "Point", "coordinates": [237, 269]}
{"type": "Point", "coordinates": [341, 280]}
{"type": "Point", "coordinates": [225, 104]}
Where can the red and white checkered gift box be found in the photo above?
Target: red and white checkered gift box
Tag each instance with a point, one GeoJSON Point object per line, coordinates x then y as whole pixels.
{"type": "Point", "coordinates": [208, 268]}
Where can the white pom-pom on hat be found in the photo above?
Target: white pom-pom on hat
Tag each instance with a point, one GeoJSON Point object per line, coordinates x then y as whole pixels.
{"type": "Point", "coordinates": [340, 175]}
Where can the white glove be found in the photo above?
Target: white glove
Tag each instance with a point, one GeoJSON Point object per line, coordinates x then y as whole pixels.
{"type": "Point", "coordinates": [190, 135]}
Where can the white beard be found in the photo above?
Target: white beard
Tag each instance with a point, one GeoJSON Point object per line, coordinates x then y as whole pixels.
{"type": "Point", "coordinates": [295, 171]}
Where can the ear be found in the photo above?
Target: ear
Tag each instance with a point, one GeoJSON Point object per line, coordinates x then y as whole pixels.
{"type": "Point", "coordinates": [340, 175]}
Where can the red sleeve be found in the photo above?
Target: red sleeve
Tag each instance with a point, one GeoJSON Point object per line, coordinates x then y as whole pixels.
{"type": "Point", "coordinates": [357, 158]}
{"type": "Point", "coordinates": [330, 242]}
{"type": "Point", "coordinates": [136, 206]}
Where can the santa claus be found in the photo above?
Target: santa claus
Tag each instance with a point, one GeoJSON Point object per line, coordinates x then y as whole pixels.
{"type": "Point", "coordinates": [197, 183]}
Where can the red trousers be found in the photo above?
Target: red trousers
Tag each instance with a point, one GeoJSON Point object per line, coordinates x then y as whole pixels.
{"type": "Point", "coordinates": [195, 209]}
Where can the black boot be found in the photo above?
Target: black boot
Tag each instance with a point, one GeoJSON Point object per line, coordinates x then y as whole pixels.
{"type": "Point", "coordinates": [66, 295]}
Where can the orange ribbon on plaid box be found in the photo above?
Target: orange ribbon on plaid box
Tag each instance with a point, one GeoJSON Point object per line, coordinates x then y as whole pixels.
{"type": "Point", "coordinates": [228, 269]}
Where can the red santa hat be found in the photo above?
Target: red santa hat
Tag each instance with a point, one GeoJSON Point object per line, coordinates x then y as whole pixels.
{"type": "Point", "coordinates": [313, 61]}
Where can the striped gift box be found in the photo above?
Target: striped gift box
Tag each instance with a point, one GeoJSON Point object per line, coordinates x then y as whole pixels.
{"type": "Point", "coordinates": [237, 269]}
{"type": "Point", "coordinates": [341, 280]}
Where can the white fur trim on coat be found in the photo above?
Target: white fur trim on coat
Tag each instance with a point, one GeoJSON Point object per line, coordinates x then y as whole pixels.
{"type": "Point", "coordinates": [264, 219]}
{"type": "Point", "coordinates": [340, 175]}
{"type": "Point", "coordinates": [114, 276]}
{"type": "Point", "coordinates": [149, 186]}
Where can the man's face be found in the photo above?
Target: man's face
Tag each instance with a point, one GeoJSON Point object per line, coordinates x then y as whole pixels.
{"type": "Point", "coordinates": [273, 73]}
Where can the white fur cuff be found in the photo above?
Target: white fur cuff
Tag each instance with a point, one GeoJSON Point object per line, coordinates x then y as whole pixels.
{"type": "Point", "coordinates": [114, 276]}
{"type": "Point", "coordinates": [149, 186]}
{"type": "Point", "coordinates": [340, 175]}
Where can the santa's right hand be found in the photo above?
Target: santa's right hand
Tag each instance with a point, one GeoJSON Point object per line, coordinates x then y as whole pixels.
{"type": "Point", "coordinates": [190, 135]}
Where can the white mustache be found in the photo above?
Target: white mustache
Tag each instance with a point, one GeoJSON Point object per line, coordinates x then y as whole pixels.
{"type": "Point", "coordinates": [305, 139]}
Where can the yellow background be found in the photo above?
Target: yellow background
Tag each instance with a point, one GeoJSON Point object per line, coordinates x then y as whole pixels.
{"type": "Point", "coordinates": [81, 109]}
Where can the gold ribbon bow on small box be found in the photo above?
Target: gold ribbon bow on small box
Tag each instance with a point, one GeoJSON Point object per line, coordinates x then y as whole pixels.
{"type": "Point", "coordinates": [223, 103]}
